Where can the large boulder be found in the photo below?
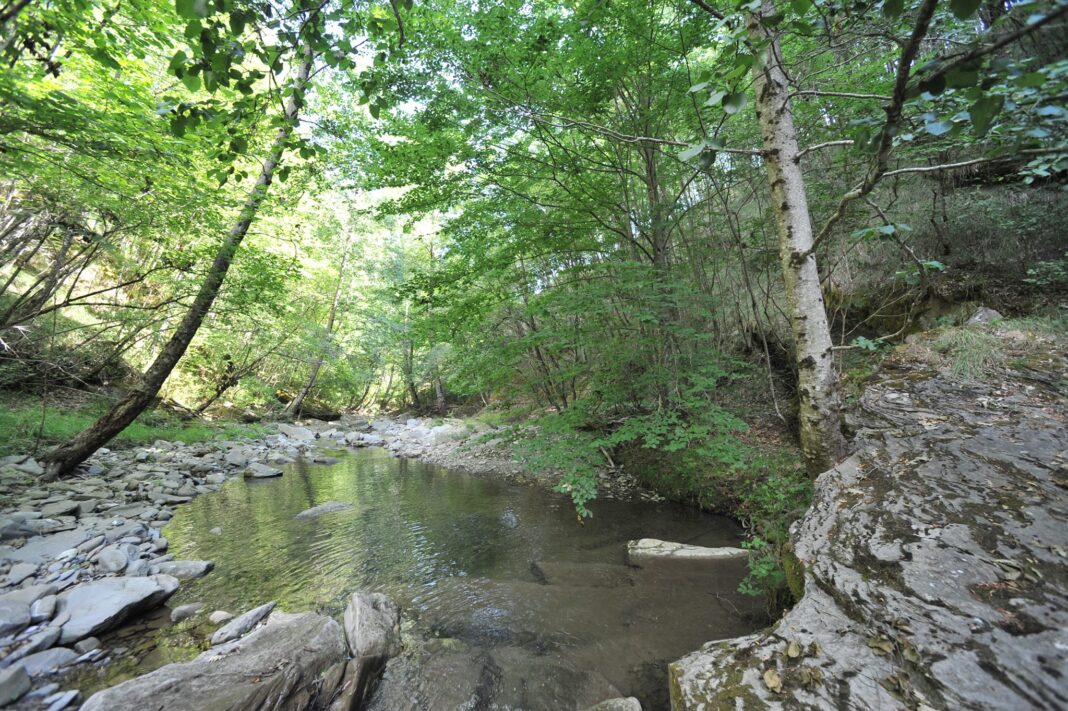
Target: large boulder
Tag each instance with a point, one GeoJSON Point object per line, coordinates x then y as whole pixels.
{"type": "Point", "coordinates": [276, 667]}
{"type": "Point", "coordinates": [933, 561]}
{"type": "Point", "coordinates": [99, 605]}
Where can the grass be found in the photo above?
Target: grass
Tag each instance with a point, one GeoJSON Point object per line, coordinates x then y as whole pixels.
{"type": "Point", "coordinates": [22, 430]}
{"type": "Point", "coordinates": [972, 352]}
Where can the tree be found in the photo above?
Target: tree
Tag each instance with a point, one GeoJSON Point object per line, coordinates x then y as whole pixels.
{"type": "Point", "coordinates": [64, 458]}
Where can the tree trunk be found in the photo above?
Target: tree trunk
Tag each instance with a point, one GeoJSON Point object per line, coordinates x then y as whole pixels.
{"type": "Point", "coordinates": [63, 459]}
{"type": "Point", "coordinates": [822, 442]}
{"type": "Point", "coordinates": [293, 409]}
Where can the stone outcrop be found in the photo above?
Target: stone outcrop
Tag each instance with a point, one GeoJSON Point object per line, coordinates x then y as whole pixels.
{"type": "Point", "coordinates": [934, 561]}
{"type": "Point", "coordinates": [278, 666]}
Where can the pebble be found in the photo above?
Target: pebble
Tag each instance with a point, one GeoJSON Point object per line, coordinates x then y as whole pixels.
{"type": "Point", "coordinates": [220, 616]}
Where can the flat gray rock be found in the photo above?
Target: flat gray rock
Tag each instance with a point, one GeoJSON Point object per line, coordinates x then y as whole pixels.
{"type": "Point", "coordinates": [328, 507]}
{"type": "Point", "coordinates": [628, 704]}
{"type": "Point", "coordinates": [256, 470]}
{"type": "Point", "coordinates": [99, 605]}
{"type": "Point", "coordinates": [276, 667]}
{"type": "Point", "coordinates": [186, 569]}
{"type": "Point", "coordinates": [296, 432]}
{"type": "Point", "coordinates": [646, 549]}
{"type": "Point", "coordinates": [15, 607]}
{"type": "Point", "coordinates": [14, 683]}
{"type": "Point", "coordinates": [238, 626]}
{"type": "Point", "coordinates": [48, 662]}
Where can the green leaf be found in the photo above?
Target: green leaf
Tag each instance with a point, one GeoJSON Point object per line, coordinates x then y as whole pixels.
{"type": "Point", "coordinates": [191, 81]}
{"type": "Point", "coordinates": [186, 9]}
{"type": "Point", "coordinates": [238, 145]}
{"type": "Point", "coordinates": [237, 22]}
{"type": "Point", "coordinates": [692, 152]}
{"type": "Point", "coordinates": [983, 112]}
{"type": "Point", "coordinates": [177, 62]}
{"type": "Point", "coordinates": [733, 103]}
{"type": "Point", "coordinates": [938, 128]}
{"type": "Point", "coordinates": [964, 8]}
{"type": "Point", "coordinates": [893, 8]}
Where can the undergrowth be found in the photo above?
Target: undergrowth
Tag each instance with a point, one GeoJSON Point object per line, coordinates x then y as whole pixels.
{"type": "Point", "coordinates": [24, 429]}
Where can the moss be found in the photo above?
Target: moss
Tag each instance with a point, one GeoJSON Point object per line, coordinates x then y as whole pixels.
{"type": "Point", "coordinates": [795, 574]}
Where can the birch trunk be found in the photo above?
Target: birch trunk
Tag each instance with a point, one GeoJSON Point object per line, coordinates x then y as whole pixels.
{"type": "Point", "coordinates": [822, 442]}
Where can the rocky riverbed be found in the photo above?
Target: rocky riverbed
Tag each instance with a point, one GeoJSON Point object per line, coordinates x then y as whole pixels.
{"type": "Point", "coordinates": [82, 556]}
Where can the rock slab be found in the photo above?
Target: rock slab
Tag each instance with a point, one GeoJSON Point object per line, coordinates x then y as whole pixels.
{"type": "Point", "coordinates": [99, 605]}
{"type": "Point", "coordinates": [276, 667]}
{"type": "Point", "coordinates": [933, 559]}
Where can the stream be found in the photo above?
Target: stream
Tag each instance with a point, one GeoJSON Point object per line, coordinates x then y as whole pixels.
{"type": "Point", "coordinates": [502, 578]}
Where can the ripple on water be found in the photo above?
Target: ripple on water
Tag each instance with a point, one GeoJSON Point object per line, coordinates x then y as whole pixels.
{"type": "Point", "coordinates": [457, 553]}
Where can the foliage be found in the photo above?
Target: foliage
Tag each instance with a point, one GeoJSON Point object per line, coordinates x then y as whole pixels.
{"type": "Point", "coordinates": [27, 427]}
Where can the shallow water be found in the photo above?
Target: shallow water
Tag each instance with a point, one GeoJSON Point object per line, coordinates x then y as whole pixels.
{"type": "Point", "coordinates": [458, 554]}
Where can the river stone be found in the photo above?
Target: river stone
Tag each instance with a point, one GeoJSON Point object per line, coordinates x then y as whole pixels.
{"type": "Point", "coordinates": [328, 507]}
{"type": "Point", "coordinates": [256, 470]}
{"type": "Point", "coordinates": [276, 667]}
{"type": "Point", "coordinates": [43, 609]}
{"type": "Point", "coordinates": [186, 569]}
{"type": "Point", "coordinates": [628, 704]}
{"type": "Point", "coordinates": [301, 434]}
{"type": "Point", "coordinates": [651, 549]}
{"type": "Point", "coordinates": [372, 625]}
{"type": "Point", "coordinates": [184, 612]}
{"type": "Point", "coordinates": [59, 508]}
{"type": "Point", "coordinates": [984, 315]}
{"type": "Point", "coordinates": [15, 607]}
{"type": "Point", "coordinates": [62, 700]}
{"type": "Point", "coordinates": [373, 440]}
{"type": "Point", "coordinates": [14, 683]}
{"type": "Point", "coordinates": [240, 625]}
{"type": "Point", "coordinates": [968, 479]}
{"type": "Point", "coordinates": [48, 662]}
{"type": "Point", "coordinates": [113, 558]}
{"type": "Point", "coordinates": [99, 605]}
{"type": "Point", "coordinates": [220, 616]}
{"type": "Point", "coordinates": [19, 572]}
{"type": "Point", "coordinates": [43, 549]}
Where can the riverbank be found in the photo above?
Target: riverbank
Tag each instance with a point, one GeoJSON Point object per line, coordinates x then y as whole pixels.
{"type": "Point", "coordinates": [934, 557]}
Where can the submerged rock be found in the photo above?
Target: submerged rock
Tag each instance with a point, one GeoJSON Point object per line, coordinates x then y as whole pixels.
{"type": "Point", "coordinates": [933, 560]}
{"type": "Point", "coordinates": [240, 625]}
{"type": "Point", "coordinates": [328, 507]}
{"type": "Point", "coordinates": [186, 569]}
{"type": "Point", "coordinates": [276, 667]}
{"type": "Point", "coordinates": [646, 549]}
{"type": "Point", "coordinates": [440, 677]}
